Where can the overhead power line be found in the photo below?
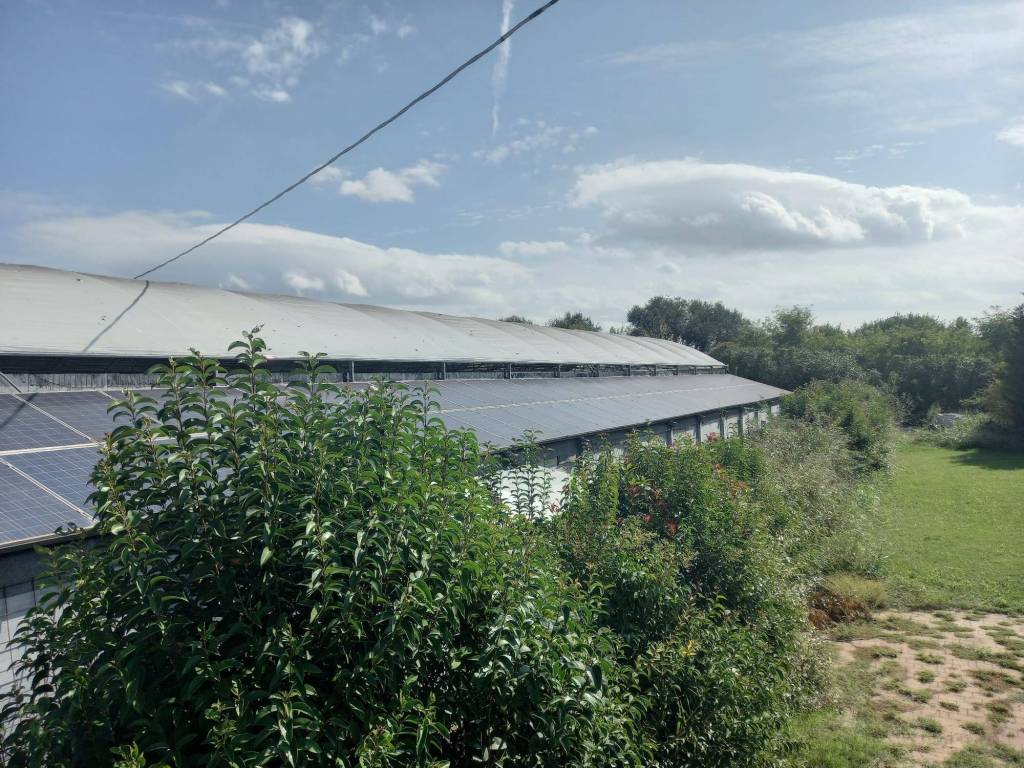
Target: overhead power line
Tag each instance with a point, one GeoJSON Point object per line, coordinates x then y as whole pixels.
{"type": "Point", "coordinates": [380, 126]}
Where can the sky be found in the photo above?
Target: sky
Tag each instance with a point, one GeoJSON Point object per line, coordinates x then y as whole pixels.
{"type": "Point", "coordinates": [861, 159]}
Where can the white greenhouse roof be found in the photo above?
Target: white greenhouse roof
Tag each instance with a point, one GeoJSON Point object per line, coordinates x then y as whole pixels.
{"type": "Point", "coordinates": [54, 312]}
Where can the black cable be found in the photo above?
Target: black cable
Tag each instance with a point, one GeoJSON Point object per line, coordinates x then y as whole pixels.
{"type": "Point", "coordinates": [440, 84]}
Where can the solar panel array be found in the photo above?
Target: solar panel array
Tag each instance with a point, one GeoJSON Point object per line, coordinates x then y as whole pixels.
{"type": "Point", "coordinates": [556, 409]}
{"type": "Point", "coordinates": [48, 441]}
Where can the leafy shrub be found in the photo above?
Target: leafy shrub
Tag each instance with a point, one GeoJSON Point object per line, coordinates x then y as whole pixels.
{"type": "Point", "coordinates": [318, 576]}
{"type": "Point", "coordinates": [308, 577]}
{"type": "Point", "coordinates": [862, 412]}
{"type": "Point", "coordinates": [693, 580]}
{"type": "Point", "coordinates": [973, 430]}
{"type": "Point", "coordinates": [824, 508]}
{"type": "Point", "coordinates": [787, 366]}
{"type": "Point", "coordinates": [870, 592]}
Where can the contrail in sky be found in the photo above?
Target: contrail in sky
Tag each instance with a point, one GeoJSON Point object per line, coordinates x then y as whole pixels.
{"type": "Point", "coordinates": [501, 65]}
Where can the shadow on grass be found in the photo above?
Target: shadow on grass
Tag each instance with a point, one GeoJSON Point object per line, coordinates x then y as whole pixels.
{"type": "Point", "coordinates": [990, 458]}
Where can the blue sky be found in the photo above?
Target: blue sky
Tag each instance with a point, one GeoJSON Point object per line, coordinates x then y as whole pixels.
{"type": "Point", "coordinates": [863, 159]}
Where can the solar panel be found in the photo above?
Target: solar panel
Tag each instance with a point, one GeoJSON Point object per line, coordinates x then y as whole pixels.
{"type": "Point", "coordinates": [487, 428]}
{"type": "Point", "coordinates": [85, 411]}
{"type": "Point", "coordinates": [64, 472]}
{"type": "Point", "coordinates": [22, 426]}
{"type": "Point", "coordinates": [483, 434]}
{"type": "Point", "coordinates": [27, 511]}
{"type": "Point", "coordinates": [500, 411]}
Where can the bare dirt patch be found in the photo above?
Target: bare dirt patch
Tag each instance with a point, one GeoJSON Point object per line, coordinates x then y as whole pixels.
{"type": "Point", "coordinates": [946, 680]}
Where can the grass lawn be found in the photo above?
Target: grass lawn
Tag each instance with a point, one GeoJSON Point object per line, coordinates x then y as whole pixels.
{"type": "Point", "coordinates": [954, 537]}
{"type": "Point", "coordinates": [955, 528]}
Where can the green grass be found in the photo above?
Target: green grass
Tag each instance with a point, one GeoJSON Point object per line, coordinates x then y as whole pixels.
{"type": "Point", "coordinates": [868, 591]}
{"type": "Point", "coordinates": [822, 740]}
{"type": "Point", "coordinates": [952, 533]}
{"type": "Point", "coordinates": [852, 732]}
{"type": "Point", "coordinates": [929, 724]}
{"type": "Point", "coordinates": [990, 755]}
{"type": "Point", "coordinates": [953, 523]}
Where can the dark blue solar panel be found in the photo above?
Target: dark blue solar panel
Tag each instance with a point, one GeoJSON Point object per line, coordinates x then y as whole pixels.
{"type": "Point", "coordinates": [85, 411]}
{"type": "Point", "coordinates": [22, 426]}
{"type": "Point", "coordinates": [27, 511]}
{"type": "Point", "coordinates": [64, 472]}
{"type": "Point", "coordinates": [500, 411]}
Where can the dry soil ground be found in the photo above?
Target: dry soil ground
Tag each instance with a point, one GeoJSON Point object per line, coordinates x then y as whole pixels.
{"type": "Point", "coordinates": [946, 683]}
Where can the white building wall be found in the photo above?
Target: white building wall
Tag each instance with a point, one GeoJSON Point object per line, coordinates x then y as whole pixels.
{"type": "Point", "coordinates": [15, 600]}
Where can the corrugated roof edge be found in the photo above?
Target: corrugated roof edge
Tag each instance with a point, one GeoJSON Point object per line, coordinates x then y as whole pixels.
{"type": "Point", "coordinates": [51, 312]}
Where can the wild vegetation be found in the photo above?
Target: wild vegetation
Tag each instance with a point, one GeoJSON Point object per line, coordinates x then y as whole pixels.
{"type": "Point", "coordinates": [926, 364]}
{"type": "Point", "coordinates": [311, 576]}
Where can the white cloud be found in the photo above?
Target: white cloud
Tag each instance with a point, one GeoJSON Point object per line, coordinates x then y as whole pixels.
{"type": "Point", "coordinates": [894, 151]}
{"type": "Point", "coordinates": [260, 257]}
{"type": "Point", "coordinates": [383, 186]}
{"type": "Point", "coordinates": [350, 284]}
{"type": "Point", "coordinates": [302, 283]}
{"type": "Point", "coordinates": [193, 91]}
{"type": "Point", "coordinates": [378, 26]}
{"type": "Point", "coordinates": [278, 95]}
{"type": "Point", "coordinates": [268, 65]}
{"type": "Point", "coordinates": [532, 247]}
{"type": "Point", "coordinates": [1013, 134]}
{"type": "Point", "coordinates": [379, 186]}
{"type": "Point", "coordinates": [179, 88]}
{"type": "Point", "coordinates": [329, 175]}
{"type": "Point", "coordinates": [918, 72]}
{"type": "Point", "coordinates": [500, 74]}
{"type": "Point", "coordinates": [281, 51]}
{"type": "Point", "coordinates": [962, 274]}
{"type": "Point", "coordinates": [535, 135]}
{"type": "Point", "coordinates": [235, 283]}
{"type": "Point", "coordinates": [672, 55]}
{"type": "Point", "coordinates": [933, 45]}
{"type": "Point", "coordinates": [726, 207]}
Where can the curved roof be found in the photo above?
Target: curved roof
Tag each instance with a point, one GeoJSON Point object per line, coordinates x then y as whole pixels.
{"type": "Point", "coordinates": [54, 312]}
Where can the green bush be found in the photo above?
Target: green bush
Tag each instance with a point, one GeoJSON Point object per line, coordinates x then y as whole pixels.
{"type": "Point", "coordinates": [973, 430]}
{"type": "Point", "coordinates": [868, 592]}
{"type": "Point", "coordinates": [862, 412]}
{"type": "Point", "coordinates": [695, 583]}
{"type": "Point", "coordinates": [308, 577]}
{"type": "Point", "coordinates": [317, 576]}
{"type": "Point", "coordinates": [806, 478]}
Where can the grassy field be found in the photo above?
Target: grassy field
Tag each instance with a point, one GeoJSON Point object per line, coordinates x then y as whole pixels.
{"type": "Point", "coordinates": [952, 531]}
{"type": "Point", "coordinates": [954, 528]}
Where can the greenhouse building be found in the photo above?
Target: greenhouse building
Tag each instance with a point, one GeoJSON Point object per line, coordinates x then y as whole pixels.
{"type": "Point", "coordinates": [72, 342]}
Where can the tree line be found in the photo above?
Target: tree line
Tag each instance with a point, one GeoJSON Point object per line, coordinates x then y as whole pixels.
{"type": "Point", "coordinates": [924, 363]}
